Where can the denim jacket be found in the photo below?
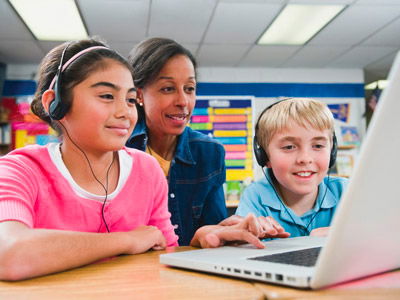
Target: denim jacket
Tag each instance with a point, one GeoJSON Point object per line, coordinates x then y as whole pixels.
{"type": "Point", "coordinates": [195, 179]}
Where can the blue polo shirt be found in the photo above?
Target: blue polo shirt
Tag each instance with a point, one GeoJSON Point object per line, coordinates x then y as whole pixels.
{"type": "Point", "coordinates": [260, 199]}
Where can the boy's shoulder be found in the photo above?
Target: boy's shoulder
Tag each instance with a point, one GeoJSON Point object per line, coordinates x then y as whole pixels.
{"type": "Point", "coordinates": [259, 187]}
{"type": "Point", "coordinates": [336, 185]}
{"type": "Point", "coordinates": [336, 181]}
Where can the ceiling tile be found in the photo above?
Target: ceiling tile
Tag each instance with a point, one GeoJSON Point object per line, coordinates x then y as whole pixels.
{"type": "Point", "coordinates": [314, 56]}
{"type": "Point", "coordinates": [389, 36]}
{"type": "Point", "coordinates": [345, 2]}
{"type": "Point", "coordinates": [11, 26]}
{"type": "Point", "coordinates": [184, 21]}
{"type": "Point", "coordinates": [20, 52]}
{"type": "Point", "coordinates": [220, 55]}
{"type": "Point", "coordinates": [268, 56]}
{"type": "Point", "coordinates": [355, 24]}
{"type": "Point", "coordinates": [375, 2]}
{"type": "Point", "coordinates": [382, 66]}
{"type": "Point", "coordinates": [46, 46]}
{"type": "Point", "coordinates": [222, 33]}
{"type": "Point", "coordinates": [116, 20]}
{"type": "Point", "coordinates": [361, 56]}
{"type": "Point", "coordinates": [239, 23]}
{"type": "Point", "coordinates": [123, 48]}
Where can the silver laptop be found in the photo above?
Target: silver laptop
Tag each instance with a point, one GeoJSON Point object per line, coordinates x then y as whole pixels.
{"type": "Point", "coordinates": [365, 235]}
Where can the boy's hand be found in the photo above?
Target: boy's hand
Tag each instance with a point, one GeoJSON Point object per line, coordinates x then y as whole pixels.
{"type": "Point", "coordinates": [321, 231]}
{"type": "Point", "coordinates": [248, 229]}
{"type": "Point", "coordinates": [232, 220]}
{"type": "Point", "coordinates": [262, 227]}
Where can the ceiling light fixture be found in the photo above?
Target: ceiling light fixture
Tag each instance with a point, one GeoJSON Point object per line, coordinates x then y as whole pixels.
{"type": "Point", "coordinates": [380, 84]}
{"type": "Point", "coordinates": [51, 20]}
{"type": "Point", "coordinates": [296, 24]}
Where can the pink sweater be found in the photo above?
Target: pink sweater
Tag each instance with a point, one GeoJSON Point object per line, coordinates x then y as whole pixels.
{"type": "Point", "coordinates": [33, 191]}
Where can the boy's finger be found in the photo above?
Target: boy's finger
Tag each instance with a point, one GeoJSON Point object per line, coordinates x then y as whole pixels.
{"type": "Point", "coordinates": [276, 225]}
{"type": "Point", "coordinates": [239, 235]}
{"type": "Point", "coordinates": [232, 220]}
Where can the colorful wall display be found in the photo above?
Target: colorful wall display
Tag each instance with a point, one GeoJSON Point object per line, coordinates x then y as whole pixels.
{"type": "Point", "coordinates": [229, 120]}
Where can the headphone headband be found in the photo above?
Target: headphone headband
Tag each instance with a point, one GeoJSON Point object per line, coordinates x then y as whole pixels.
{"type": "Point", "coordinates": [63, 67]}
{"type": "Point", "coordinates": [58, 108]}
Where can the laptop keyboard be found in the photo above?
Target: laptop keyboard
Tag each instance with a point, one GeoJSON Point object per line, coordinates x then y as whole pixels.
{"type": "Point", "coordinates": [305, 257]}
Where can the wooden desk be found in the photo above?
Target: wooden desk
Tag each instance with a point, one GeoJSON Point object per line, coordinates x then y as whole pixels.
{"type": "Point", "coordinates": [130, 277]}
{"type": "Point", "coordinates": [383, 286]}
{"type": "Point", "coordinates": [143, 277]}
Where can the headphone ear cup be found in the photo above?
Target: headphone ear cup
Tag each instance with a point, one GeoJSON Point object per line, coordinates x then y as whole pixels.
{"type": "Point", "coordinates": [332, 159]}
{"type": "Point", "coordinates": [259, 152]}
{"type": "Point", "coordinates": [57, 108]}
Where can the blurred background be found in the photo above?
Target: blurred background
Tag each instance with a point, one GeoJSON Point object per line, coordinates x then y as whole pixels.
{"type": "Point", "coordinates": [250, 53]}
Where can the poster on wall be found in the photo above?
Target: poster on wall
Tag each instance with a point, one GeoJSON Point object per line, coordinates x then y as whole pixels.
{"type": "Point", "coordinates": [229, 120]}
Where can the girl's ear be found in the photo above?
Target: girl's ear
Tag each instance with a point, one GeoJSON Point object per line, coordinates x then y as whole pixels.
{"type": "Point", "coordinates": [47, 97]}
{"type": "Point", "coordinates": [268, 164]}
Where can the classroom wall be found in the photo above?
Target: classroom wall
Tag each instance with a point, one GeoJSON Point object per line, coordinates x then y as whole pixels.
{"type": "Point", "coordinates": [21, 71]}
{"type": "Point", "coordinates": [341, 87]}
{"type": "Point", "coordinates": [266, 84]}
{"type": "Point", "coordinates": [333, 86]}
{"type": "Point", "coordinates": [280, 75]}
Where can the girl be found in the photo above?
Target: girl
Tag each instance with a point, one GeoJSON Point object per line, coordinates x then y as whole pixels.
{"type": "Point", "coordinates": [68, 204]}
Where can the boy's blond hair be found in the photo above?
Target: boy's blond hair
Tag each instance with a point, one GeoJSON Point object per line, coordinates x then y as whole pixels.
{"type": "Point", "coordinates": [305, 112]}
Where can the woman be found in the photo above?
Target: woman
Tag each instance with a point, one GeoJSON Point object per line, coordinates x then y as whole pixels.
{"type": "Point", "coordinates": [194, 164]}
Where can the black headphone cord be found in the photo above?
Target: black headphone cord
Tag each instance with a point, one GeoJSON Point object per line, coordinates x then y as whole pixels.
{"type": "Point", "coordinates": [303, 231]}
{"type": "Point", "coordinates": [95, 177]}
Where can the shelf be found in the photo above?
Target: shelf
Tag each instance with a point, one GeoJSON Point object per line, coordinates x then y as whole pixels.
{"type": "Point", "coordinates": [232, 203]}
{"type": "Point", "coordinates": [347, 147]}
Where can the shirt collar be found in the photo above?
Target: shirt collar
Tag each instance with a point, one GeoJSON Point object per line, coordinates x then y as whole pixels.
{"type": "Point", "coordinates": [325, 195]}
{"type": "Point", "coordinates": [140, 128]}
{"type": "Point", "coordinates": [182, 151]}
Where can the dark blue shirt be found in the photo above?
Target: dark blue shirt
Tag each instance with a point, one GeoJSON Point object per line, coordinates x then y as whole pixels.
{"type": "Point", "coordinates": [195, 179]}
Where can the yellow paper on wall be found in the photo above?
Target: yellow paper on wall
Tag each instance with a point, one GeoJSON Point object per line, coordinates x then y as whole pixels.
{"type": "Point", "coordinates": [20, 138]}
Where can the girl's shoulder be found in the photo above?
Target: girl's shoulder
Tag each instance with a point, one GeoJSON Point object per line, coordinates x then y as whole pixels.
{"type": "Point", "coordinates": [140, 157]}
{"type": "Point", "coordinates": [28, 153]}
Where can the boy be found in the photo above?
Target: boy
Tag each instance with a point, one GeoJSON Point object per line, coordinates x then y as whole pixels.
{"type": "Point", "coordinates": [295, 141]}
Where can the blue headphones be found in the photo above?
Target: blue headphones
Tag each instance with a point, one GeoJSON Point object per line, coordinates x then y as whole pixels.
{"type": "Point", "coordinates": [261, 155]}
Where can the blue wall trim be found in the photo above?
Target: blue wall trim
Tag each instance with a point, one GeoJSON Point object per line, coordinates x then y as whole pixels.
{"type": "Point", "coordinates": [261, 89]}
{"type": "Point", "coordinates": [13, 88]}
{"type": "Point", "coordinates": [266, 89]}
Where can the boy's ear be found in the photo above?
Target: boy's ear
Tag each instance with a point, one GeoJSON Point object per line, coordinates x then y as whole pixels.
{"type": "Point", "coordinates": [268, 164]}
{"type": "Point", "coordinates": [47, 97]}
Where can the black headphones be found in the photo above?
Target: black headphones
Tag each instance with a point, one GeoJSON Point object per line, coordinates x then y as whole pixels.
{"type": "Point", "coordinates": [261, 155]}
{"type": "Point", "coordinates": [57, 107]}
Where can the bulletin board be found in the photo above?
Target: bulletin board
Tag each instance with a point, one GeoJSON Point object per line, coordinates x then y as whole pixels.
{"type": "Point", "coordinates": [228, 119]}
